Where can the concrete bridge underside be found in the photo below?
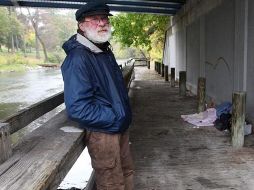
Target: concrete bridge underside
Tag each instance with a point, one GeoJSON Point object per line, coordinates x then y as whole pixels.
{"type": "Point", "coordinates": [214, 39]}
{"type": "Point", "coordinates": [170, 154]}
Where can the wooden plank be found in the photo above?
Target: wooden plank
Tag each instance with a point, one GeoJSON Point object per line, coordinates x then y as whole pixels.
{"type": "Point", "coordinates": [182, 83]}
{"type": "Point", "coordinates": [44, 157]}
{"type": "Point", "coordinates": [29, 114]}
{"type": "Point", "coordinates": [166, 73]}
{"type": "Point", "coordinates": [91, 182]}
{"type": "Point", "coordinates": [128, 74]}
{"type": "Point", "coordinates": [148, 64]}
{"type": "Point", "coordinates": [159, 68]}
{"type": "Point", "coordinates": [5, 142]}
{"type": "Point", "coordinates": [238, 119]}
{"type": "Point", "coordinates": [172, 77]}
{"type": "Point", "coordinates": [170, 154]}
{"type": "Point", "coordinates": [162, 70]}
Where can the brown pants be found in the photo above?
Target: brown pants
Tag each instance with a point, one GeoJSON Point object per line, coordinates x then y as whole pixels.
{"type": "Point", "coordinates": [111, 160]}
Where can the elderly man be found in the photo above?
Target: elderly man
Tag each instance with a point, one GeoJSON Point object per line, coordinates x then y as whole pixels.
{"type": "Point", "coordinates": [96, 97]}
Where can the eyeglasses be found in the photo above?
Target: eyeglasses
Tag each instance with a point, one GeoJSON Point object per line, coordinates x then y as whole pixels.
{"type": "Point", "coordinates": [97, 20]}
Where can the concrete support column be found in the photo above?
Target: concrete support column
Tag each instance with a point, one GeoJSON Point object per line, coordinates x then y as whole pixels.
{"type": "Point", "coordinates": [238, 119]}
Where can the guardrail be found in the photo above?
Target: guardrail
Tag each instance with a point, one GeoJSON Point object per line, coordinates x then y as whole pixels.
{"type": "Point", "coordinates": [142, 62]}
{"type": "Point", "coordinates": [43, 158]}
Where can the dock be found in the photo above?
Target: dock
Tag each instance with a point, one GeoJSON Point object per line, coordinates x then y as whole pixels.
{"type": "Point", "coordinates": [170, 154]}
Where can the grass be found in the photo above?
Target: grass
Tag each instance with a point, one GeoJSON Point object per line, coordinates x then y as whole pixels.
{"type": "Point", "coordinates": [10, 62]}
{"type": "Point", "coordinates": [15, 62]}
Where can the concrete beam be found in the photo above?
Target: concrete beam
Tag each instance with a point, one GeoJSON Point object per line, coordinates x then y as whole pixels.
{"type": "Point", "coordinates": [191, 11]}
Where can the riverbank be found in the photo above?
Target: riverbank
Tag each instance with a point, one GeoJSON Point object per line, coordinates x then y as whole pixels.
{"type": "Point", "coordinates": [17, 62]}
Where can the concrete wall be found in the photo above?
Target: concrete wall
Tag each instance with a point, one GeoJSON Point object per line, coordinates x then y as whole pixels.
{"type": "Point", "coordinates": [193, 54]}
{"type": "Point", "coordinates": [175, 51]}
{"type": "Point", "coordinates": [250, 61]}
{"type": "Point", "coordinates": [219, 45]}
{"type": "Point", "coordinates": [166, 55]}
{"type": "Point", "coordinates": [169, 57]}
{"type": "Point", "coordinates": [180, 50]}
{"type": "Point", "coordinates": [215, 39]}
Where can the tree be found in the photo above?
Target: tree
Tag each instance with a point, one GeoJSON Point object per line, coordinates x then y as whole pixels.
{"type": "Point", "coordinates": [60, 26]}
{"type": "Point", "coordinates": [10, 30]}
{"type": "Point", "coordinates": [15, 30]}
{"type": "Point", "coordinates": [143, 31]}
{"type": "Point", "coordinates": [35, 19]}
{"type": "Point", "coordinates": [4, 29]}
{"type": "Point", "coordinates": [28, 37]}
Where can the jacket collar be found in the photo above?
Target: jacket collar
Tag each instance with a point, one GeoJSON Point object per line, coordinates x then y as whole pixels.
{"type": "Point", "coordinates": [84, 41]}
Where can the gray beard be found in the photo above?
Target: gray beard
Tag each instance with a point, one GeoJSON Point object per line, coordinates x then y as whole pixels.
{"type": "Point", "coordinates": [97, 38]}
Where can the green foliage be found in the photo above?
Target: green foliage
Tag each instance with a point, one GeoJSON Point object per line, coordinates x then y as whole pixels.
{"type": "Point", "coordinates": [30, 39]}
{"type": "Point", "coordinates": [4, 23]}
{"type": "Point", "coordinates": [121, 52]}
{"type": "Point", "coordinates": [143, 31]}
{"type": "Point", "coordinates": [10, 27]}
{"type": "Point", "coordinates": [17, 35]}
{"type": "Point", "coordinates": [16, 62]}
{"type": "Point", "coordinates": [56, 57]}
{"type": "Point", "coordinates": [16, 59]}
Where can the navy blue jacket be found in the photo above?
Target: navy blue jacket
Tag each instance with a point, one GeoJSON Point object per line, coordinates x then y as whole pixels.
{"type": "Point", "coordinates": [94, 91]}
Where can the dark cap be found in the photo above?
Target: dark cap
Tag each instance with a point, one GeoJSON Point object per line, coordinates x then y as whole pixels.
{"type": "Point", "coordinates": [92, 8]}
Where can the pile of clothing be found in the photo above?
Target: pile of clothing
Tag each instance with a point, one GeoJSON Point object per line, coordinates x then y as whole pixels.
{"type": "Point", "coordinates": [223, 114]}
{"type": "Point", "coordinates": [201, 119]}
{"type": "Point", "coordinates": [220, 117]}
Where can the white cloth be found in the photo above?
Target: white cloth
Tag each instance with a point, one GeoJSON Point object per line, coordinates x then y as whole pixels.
{"type": "Point", "coordinates": [201, 119]}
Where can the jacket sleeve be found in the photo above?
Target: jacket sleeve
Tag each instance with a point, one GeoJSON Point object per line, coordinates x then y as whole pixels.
{"type": "Point", "coordinates": [79, 95]}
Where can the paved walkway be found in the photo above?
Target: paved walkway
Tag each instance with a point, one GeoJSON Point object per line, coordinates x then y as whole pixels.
{"type": "Point", "coordinates": [170, 154]}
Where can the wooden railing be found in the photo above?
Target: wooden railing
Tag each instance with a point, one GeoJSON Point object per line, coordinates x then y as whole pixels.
{"type": "Point", "coordinates": [31, 113]}
{"type": "Point", "coordinates": [43, 157]}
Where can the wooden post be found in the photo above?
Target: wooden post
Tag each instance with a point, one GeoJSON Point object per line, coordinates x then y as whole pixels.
{"type": "Point", "coordinates": [148, 64]}
{"type": "Point", "coordinates": [238, 119]}
{"type": "Point", "coordinates": [162, 70]}
{"type": "Point", "coordinates": [166, 73]}
{"type": "Point", "coordinates": [201, 94]}
{"type": "Point", "coordinates": [172, 77]}
{"type": "Point", "coordinates": [5, 142]}
{"type": "Point", "coordinates": [159, 68]}
{"type": "Point", "coordinates": [182, 83]}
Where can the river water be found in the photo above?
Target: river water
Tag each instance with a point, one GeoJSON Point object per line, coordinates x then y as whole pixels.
{"type": "Point", "coordinates": [21, 89]}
